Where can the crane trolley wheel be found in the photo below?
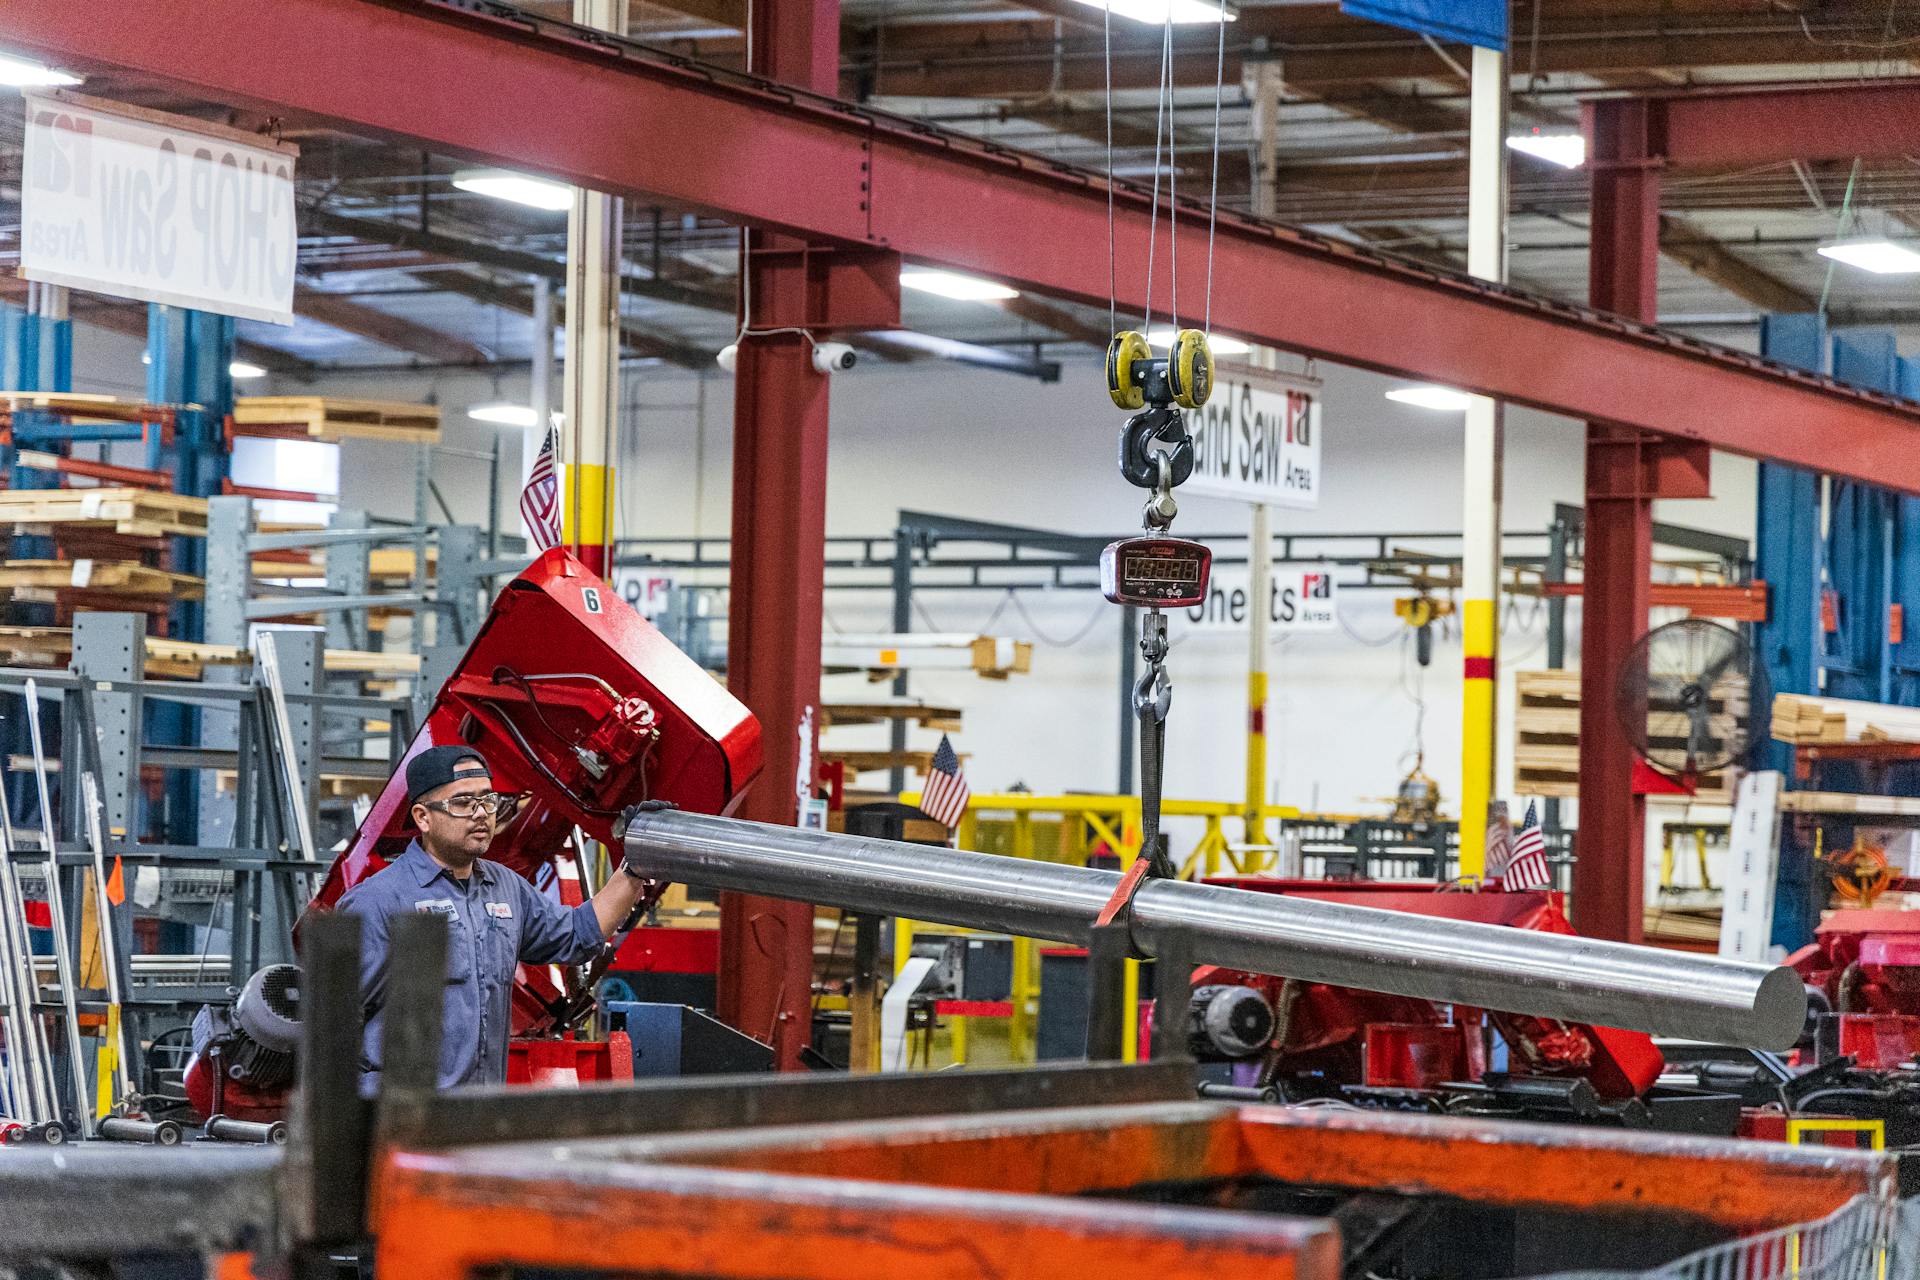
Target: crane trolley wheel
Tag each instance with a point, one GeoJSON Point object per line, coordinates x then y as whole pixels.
{"type": "Point", "coordinates": [1127, 348]}
{"type": "Point", "coordinates": [1190, 369]}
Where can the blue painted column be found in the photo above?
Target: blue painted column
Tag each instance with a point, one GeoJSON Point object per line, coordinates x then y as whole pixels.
{"type": "Point", "coordinates": [190, 354]}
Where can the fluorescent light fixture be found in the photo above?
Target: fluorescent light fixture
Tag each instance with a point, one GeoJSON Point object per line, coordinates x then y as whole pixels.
{"type": "Point", "coordinates": [1568, 150]}
{"type": "Point", "coordinates": [951, 284]}
{"type": "Point", "coordinates": [1445, 399]}
{"type": "Point", "coordinates": [240, 369]}
{"type": "Point", "coordinates": [1882, 257]}
{"type": "Point", "coordinates": [1158, 12]}
{"type": "Point", "coordinates": [1219, 343]}
{"type": "Point", "coordinates": [505, 414]}
{"type": "Point", "coordinates": [23, 73]}
{"type": "Point", "coordinates": [504, 184]}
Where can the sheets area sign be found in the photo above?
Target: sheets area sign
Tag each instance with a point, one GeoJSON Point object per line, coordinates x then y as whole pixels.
{"type": "Point", "coordinates": [1303, 598]}
{"type": "Point", "coordinates": [1258, 440]}
{"type": "Point", "coordinates": [137, 204]}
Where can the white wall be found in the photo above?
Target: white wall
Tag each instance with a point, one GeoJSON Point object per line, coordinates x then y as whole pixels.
{"type": "Point", "coordinates": [946, 439]}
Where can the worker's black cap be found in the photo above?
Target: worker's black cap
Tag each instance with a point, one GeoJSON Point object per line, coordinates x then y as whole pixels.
{"type": "Point", "coordinates": [437, 766]}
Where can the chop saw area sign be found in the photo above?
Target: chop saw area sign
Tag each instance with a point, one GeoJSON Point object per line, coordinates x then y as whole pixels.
{"type": "Point", "coordinates": [1258, 440]}
{"type": "Point", "coordinates": [141, 205]}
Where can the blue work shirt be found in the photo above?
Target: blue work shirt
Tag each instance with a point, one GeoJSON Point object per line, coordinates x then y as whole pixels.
{"type": "Point", "coordinates": [495, 921]}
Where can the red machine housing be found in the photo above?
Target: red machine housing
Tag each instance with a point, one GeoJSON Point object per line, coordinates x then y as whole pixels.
{"type": "Point", "coordinates": [1867, 962]}
{"type": "Point", "coordinates": [581, 704]}
{"type": "Point", "coordinates": [1400, 1042]}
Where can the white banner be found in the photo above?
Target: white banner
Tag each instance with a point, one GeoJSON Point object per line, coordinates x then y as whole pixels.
{"type": "Point", "coordinates": [133, 203]}
{"type": "Point", "coordinates": [1304, 598]}
{"type": "Point", "coordinates": [1258, 440]}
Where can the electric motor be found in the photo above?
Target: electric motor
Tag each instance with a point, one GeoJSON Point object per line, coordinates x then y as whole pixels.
{"type": "Point", "coordinates": [1228, 1023]}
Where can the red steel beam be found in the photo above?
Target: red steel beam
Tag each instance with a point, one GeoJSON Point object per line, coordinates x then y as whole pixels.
{"type": "Point", "coordinates": [469, 83]}
{"type": "Point", "coordinates": [1623, 275]}
{"type": "Point", "coordinates": [1737, 602]}
{"type": "Point", "coordinates": [779, 557]}
{"type": "Point", "coordinates": [1838, 121]}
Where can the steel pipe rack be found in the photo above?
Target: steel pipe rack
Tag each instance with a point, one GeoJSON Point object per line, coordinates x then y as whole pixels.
{"type": "Point", "coordinates": [1486, 966]}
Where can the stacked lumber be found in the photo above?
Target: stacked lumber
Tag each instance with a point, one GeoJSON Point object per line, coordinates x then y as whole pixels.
{"type": "Point", "coordinates": [332, 419]}
{"type": "Point", "coordinates": [136, 513]}
{"type": "Point", "coordinates": [81, 408]}
{"type": "Point", "coordinates": [1685, 928]}
{"type": "Point", "coordinates": [1804, 720]}
{"type": "Point", "coordinates": [1546, 731]}
{"type": "Point", "coordinates": [1847, 802]}
{"type": "Point", "coordinates": [386, 566]}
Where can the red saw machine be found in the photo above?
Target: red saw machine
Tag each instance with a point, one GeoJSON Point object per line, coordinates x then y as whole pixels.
{"type": "Point", "coordinates": [582, 707]}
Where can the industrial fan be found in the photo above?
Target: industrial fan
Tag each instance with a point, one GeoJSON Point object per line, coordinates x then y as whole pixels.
{"type": "Point", "coordinates": [1684, 698]}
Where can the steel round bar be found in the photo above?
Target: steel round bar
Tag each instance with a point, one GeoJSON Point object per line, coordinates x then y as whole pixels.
{"type": "Point", "coordinates": [1484, 966]}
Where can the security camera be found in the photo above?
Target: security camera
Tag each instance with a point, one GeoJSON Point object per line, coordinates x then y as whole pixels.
{"type": "Point", "coordinates": [832, 357]}
{"type": "Point", "coordinates": [729, 356]}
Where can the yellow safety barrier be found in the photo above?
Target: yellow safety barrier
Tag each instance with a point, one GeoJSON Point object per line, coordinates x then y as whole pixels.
{"type": "Point", "coordinates": [1876, 1130]}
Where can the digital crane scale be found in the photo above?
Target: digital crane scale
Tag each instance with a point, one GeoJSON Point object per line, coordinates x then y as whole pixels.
{"type": "Point", "coordinates": [1155, 573]}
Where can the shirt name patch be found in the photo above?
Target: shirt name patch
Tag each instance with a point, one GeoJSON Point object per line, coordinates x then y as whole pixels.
{"type": "Point", "coordinates": [500, 910]}
{"type": "Point", "coordinates": [436, 907]}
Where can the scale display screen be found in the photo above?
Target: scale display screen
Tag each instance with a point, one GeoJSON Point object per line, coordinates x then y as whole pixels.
{"type": "Point", "coordinates": [1155, 573]}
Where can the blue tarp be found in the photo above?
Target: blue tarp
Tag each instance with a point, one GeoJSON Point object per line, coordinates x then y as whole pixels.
{"type": "Point", "coordinates": [1481, 22]}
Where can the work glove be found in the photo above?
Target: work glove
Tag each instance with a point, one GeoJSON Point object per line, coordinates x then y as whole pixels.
{"type": "Point", "coordinates": [628, 814]}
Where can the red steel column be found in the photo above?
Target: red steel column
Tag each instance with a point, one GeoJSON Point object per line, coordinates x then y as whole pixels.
{"type": "Point", "coordinates": [778, 566]}
{"type": "Point", "coordinates": [1623, 275]}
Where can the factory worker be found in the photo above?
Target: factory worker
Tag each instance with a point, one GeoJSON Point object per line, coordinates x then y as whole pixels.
{"type": "Point", "coordinates": [496, 920]}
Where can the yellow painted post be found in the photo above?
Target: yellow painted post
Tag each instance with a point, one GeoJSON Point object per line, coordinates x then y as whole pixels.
{"type": "Point", "coordinates": [1026, 991]}
{"type": "Point", "coordinates": [1476, 734]}
{"type": "Point", "coordinates": [1130, 1013]}
{"type": "Point", "coordinates": [1259, 588]}
{"type": "Point", "coordinates": [902, 944]}
{"type": "Point", "coordinates": [957, 1029]}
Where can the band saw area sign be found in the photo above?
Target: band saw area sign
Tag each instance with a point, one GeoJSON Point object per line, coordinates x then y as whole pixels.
{"type": "Point", "coordinates": [1258, 440]}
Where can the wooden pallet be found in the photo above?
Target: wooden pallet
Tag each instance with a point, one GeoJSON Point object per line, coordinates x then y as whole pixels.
{"type": "Point", "coordinates": [329, 418]}
{"type": "Point", "coordinates": [52, 647]}
{"type": "Point", "coordinates": [945, 719]}
{"type": "Point", "coordinates": [47, 579]}
{"type": "Point", "coordinates": [132, 512]}
{"type": "Point", "coordinates": [857, 762]}
{"type": "Point", "coordinates": [1546, 748]}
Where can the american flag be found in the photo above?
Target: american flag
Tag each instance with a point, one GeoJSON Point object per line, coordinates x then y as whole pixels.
{"type": "Point", "coordinates": [1527, 869]}
{"type": "Point", "coordinates": [540, 500]}
{"type": "Point", "coordinates": [944, 798]}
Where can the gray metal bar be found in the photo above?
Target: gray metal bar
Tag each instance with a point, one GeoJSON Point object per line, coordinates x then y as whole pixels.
{"type": "Point", "coordinates": [1485, 966]}
{"type": "Point", "coordinates": [99, 1201]}
{"type": "Point", "coordinates": [286, 606]}
{"type": "Point", "coordinates": [315, 538]}
{"type": "Point", "coordinates": [424, 1119]}
{"type": "Point", "coordinates": [349, 578]}
{"type": "Point", "coordinates": [322, 1187]}
{"type": "Point", "coordinates": [902, 623]}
